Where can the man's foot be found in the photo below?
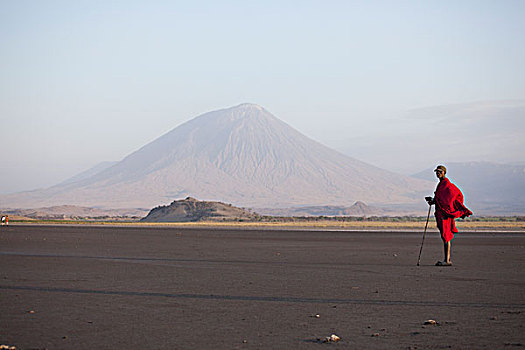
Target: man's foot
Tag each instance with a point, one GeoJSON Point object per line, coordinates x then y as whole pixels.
{"type": "Point", "coordinates": [443, 263]}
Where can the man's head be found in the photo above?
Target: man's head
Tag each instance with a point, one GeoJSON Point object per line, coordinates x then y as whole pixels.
{"type": "Point", "coordinates": [440, 171]}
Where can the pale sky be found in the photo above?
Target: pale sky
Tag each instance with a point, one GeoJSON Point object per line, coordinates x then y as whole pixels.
{"type": "Point", "coordinates": [83, 82]}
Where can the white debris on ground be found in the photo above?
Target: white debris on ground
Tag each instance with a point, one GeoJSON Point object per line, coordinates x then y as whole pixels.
{"type": "Point", "coordinates": [331, 339]}
{"type": "Point", "coordinates": [431, 322]}
{"type": "Point", "coordinates": [7, 347]}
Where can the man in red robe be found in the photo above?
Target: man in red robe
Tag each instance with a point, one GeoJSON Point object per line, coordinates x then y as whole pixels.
{"type": "Point", "coordinates": [449, 206]}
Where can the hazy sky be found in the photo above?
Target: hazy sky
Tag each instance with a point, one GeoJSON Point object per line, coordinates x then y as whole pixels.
{"type": "Point", "coordinates": [88, 81]}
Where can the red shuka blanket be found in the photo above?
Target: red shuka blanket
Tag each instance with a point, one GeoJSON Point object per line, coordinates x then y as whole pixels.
{"type": "Point", "coordinates": [449, 206]}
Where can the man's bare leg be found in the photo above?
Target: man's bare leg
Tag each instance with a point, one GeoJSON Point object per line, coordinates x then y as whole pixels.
{"type": "Point", "coordinates": [446, 248]}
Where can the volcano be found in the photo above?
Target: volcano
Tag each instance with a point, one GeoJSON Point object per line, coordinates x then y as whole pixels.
{"type": "Point", "coordinates": [241, 155]}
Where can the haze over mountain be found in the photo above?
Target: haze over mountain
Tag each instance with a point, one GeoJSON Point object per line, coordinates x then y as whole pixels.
{"type": "Point", "coordinates": [478, 131]}
{"type": "Point", "coordinates": [489, 188]}
{"type": "Point", "coordinates": [241, 155]}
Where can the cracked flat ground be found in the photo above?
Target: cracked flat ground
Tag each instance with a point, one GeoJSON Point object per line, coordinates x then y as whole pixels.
{"type": "Point", "coordinates": [85, 287]}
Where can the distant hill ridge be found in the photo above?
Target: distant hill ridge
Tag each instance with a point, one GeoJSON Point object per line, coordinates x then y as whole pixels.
{"type": "Point", "coordinates": [191, 209]}
{"type": "Point", "coordinates": [73, 212]}
{"type": "Point", "coordinates": [357, 209]}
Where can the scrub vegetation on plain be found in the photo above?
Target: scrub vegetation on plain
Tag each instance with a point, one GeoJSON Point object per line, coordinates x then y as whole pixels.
{"type": "Point", "coordinates": [322, 222]}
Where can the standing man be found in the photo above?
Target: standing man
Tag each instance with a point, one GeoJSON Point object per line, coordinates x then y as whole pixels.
{"type": "Point", "coordinates": [449, 206]}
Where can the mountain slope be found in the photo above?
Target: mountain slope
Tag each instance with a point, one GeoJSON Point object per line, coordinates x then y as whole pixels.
{"type": "Point", "coordinates": [242, 155]}
{"type": "Point", "coordinates": [88, 173]}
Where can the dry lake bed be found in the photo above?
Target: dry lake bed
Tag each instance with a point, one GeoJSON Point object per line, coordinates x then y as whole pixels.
{"type": "Point", "coordinates": [87, 287]}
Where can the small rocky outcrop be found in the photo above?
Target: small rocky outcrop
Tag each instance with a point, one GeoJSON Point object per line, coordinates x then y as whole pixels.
{"type": "Point", "coordinates": [192, 210]}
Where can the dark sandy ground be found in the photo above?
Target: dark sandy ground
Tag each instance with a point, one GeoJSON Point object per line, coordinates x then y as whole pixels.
{"type": "Point", "coordinates": [171, 288]}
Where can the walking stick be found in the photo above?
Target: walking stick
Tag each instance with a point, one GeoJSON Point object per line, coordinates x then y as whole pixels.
{"type": "Point", "coordinates": [421, 249]}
